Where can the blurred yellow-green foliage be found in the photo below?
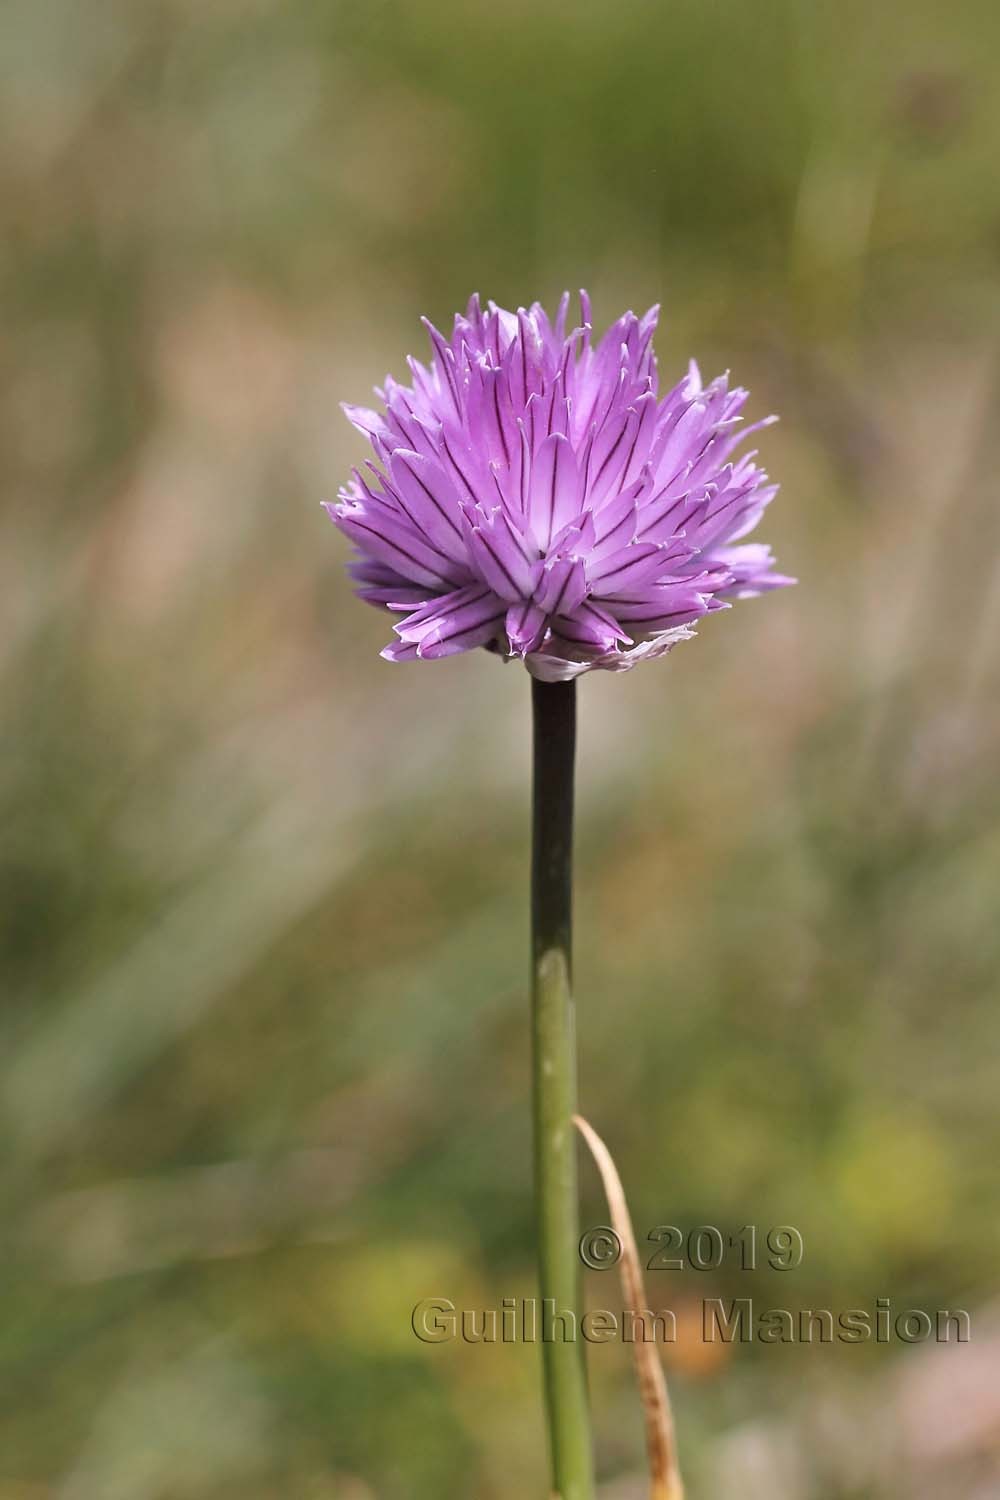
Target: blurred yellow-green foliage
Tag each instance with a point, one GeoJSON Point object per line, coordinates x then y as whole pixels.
{"type": "Point", "coordinates": [264, 1072]}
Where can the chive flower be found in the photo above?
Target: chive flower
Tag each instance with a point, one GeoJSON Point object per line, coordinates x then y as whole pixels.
{"type": "Point", "coordinates": [534, 494]}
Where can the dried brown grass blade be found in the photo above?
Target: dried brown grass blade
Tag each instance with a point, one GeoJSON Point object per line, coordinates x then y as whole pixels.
{"type": "Point", "coordinates": [661, 1443]}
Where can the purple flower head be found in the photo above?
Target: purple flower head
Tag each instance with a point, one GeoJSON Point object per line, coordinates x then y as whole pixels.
{"type": "Point", "coordinates": [533, 493]}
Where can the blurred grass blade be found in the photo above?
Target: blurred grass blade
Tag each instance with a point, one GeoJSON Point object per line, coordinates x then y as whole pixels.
{"type": "Point", "coordinates": [661, 1444]}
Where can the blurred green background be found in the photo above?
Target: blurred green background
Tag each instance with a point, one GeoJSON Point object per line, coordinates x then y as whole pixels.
{"type": "Point", "coordinates": [264, 1047]}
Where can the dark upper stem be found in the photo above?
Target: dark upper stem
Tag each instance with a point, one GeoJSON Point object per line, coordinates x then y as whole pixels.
{"type": "Point", "coordinates": [554, 709]}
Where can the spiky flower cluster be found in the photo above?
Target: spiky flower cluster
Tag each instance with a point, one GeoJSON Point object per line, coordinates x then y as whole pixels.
{"type": "Point", "coordinates": [535, 495]}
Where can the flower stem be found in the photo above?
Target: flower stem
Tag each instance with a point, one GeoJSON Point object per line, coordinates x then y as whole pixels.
{"type": "Point", "coordinates": [554, 1088]}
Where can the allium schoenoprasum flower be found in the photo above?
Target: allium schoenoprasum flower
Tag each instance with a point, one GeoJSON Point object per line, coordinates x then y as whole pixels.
{"type": "Point", "coordinates": [533, 493]}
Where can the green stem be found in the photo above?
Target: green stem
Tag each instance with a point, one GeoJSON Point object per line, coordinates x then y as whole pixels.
{"type": "Point", "coordinates": [554, 1088]}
